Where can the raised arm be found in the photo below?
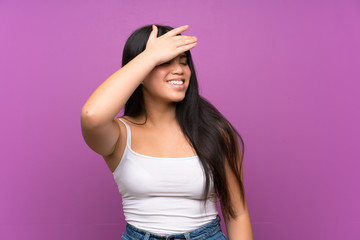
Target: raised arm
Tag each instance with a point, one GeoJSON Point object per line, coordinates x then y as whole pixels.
{"type": "Point", "coordinates": [98, 115]}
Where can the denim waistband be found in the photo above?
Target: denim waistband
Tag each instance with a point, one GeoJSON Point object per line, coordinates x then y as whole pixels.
{"type": "Point", "coordinates": [199, 233]}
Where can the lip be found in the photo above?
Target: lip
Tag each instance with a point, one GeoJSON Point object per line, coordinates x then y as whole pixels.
{"type": "Point", "coordinates": [180, 87]}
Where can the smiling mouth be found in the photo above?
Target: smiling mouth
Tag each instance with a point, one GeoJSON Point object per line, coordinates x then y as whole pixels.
{"type": "Point", "coordinates": [176, 82]}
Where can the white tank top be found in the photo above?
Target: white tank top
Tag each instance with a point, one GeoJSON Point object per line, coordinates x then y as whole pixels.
{"type": "Point", "coordinates": [162, 195]}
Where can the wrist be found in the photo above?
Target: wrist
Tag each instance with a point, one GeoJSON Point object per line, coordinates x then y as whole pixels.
{"type": "Point", "coordinates": [149, 58]}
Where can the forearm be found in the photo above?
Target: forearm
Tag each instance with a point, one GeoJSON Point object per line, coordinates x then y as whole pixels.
{"type": "Point", "coordinates": [110, 97]}
{"type": "Point", "coordinates": [240, 228]}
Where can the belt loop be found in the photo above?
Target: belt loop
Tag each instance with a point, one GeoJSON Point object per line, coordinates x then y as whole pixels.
{"type": "Point", "coordinates": [147, 235]}
{"type": "Point", "coordinates": [219, 218]}
{"type": "Point", "coordinates": [187, 236]}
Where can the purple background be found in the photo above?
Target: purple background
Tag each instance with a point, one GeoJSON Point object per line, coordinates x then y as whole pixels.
{"type": "Point", "coordinates": [285, 73]}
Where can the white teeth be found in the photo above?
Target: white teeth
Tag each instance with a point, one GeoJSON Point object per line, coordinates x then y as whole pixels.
{"type": "Point", "coordinates": [176, 82]}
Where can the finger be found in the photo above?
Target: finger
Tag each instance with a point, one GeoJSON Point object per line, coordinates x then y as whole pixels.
{"type": "Point", "coordinates": [153, 33]}
{"type": "Point", "coordinates": [186, 47]}
{"type": "Point", "coordinates": [183, 37]}
{"type": "Point", "coordinates": [185, 41]}
{"type": "Point", "coordinates": [177, 30]}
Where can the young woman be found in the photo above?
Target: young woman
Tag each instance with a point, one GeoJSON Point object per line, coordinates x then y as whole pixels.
{"type": "Point", "coordinates": [172, 153]}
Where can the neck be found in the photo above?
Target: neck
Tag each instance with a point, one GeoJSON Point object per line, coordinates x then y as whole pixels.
{"type": "Point", "coordinates": [160, 114]}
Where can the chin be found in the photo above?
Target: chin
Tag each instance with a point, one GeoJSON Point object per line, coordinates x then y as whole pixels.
{"type": "Point", "coordinates": [174, 100]}
{"type": "Point", "coordinates": [179, 99]}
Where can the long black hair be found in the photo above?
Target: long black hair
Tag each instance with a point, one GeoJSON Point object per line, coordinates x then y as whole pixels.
{"type": "Point", "coordinates": [214, 139]}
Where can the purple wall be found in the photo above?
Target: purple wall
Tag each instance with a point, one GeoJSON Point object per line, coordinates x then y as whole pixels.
{"type": "Point", "coordinates": [285, 73]}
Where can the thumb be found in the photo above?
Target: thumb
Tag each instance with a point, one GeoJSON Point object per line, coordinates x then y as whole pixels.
{"type": "Point", "coordinates": [153, 33]}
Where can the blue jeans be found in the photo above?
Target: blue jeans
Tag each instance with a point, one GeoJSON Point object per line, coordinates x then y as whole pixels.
{"type": "Point", "coordinates": [210, 231]}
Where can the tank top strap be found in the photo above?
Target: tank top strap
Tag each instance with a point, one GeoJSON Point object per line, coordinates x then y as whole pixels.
{"type": "Point", "coordinates": [128, 133]}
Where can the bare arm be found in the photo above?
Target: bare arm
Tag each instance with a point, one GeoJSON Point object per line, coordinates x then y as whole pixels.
{"type": "Point", "coordinates": [99, 125]}
{"type": "Point", "coordinates": [238, 228]}
{"type": "Point", "coordinates": [98, 116]}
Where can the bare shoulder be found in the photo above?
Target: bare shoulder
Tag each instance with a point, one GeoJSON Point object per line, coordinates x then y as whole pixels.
{"type": "Point", "coordinates": [114, 159]}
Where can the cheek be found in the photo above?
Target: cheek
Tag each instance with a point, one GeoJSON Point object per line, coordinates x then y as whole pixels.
{"type": "Point", "coordinates": [159, 75]}
{"type": "Point", "coordinates": [187, 71]}
{"type": "Point", "coordinates": [155, 75]}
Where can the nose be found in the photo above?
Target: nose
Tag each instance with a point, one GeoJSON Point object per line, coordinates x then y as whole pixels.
{"type": "Point", "coordinates": [177, 68]}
